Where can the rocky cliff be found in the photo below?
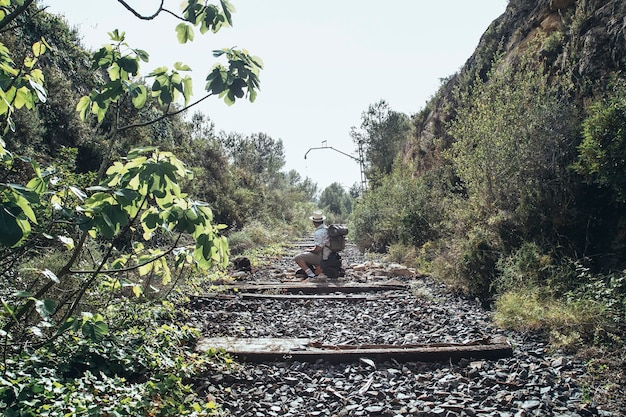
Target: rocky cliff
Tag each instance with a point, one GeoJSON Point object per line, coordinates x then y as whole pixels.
{"type": "Point", "coordinates": [585, 39]}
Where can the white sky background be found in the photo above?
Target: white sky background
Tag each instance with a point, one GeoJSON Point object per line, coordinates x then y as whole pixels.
{"type": "Point", "coordinates": [324, 61]}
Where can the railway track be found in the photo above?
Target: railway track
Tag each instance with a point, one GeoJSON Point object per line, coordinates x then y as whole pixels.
{"type": "Point", "coordinates": [373, 344]}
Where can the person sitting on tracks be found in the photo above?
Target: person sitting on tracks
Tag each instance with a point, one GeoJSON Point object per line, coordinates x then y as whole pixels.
{"type": "Point", "coordinates": [312, 257]}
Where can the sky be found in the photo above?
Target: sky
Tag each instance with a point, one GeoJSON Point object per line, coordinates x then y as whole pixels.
{"type": "Point", "coordinates": [325, 62]}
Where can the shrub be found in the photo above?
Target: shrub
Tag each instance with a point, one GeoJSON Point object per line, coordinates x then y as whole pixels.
{"type": "Point", "coordinates": [469, 263]}
{"type": "Point", "coordinates": [526, 267]}
{"type": "Point", "coordinates": [397, 211]}
{"type": "Point", "coordinates": [592, 313]}
{"type": "Point", "coordinates": [601, 153]}
{"type": "Point", "coordinates": [139, 369]}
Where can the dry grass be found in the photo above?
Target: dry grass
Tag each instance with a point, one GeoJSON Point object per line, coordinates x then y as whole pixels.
{"type": "Point", "coordinates": [568, 324]}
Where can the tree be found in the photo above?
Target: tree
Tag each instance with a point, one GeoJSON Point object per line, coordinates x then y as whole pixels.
{"type": "Point", "coordinates": [259, 154]}
{"type": "Point", "coordinates": [133, 201]}
{"type": "Point", "coordinates": [382, 134]}
{"type": "Point", "coordinates": [335, 200]}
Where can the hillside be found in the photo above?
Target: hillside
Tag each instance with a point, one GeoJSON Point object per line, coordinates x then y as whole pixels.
{"type": "Point", "coordinates": [584, 39]}
{"type": "Point", "coordinates": [512, 186]}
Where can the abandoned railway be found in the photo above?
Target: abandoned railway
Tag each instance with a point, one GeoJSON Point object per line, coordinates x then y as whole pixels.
{"type": "Point", "coordinates": [380, 341]}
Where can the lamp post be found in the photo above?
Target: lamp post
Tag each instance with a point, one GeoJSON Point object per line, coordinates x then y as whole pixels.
{"type": "Point", "coordinates": [360, 160]}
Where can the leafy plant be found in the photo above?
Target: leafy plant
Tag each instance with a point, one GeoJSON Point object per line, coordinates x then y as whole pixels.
{"type": "Point", "coordinates": [601, 153]}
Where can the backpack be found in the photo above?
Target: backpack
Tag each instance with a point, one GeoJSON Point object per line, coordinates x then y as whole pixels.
{"type": "Point", "coordinates": [337, 237]}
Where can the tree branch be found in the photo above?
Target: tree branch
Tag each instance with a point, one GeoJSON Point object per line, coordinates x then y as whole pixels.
{"type": "Point", "coordinates": [19, 10]}
{"type": "Point", "coordinates": [128, 268]}
{"type": "Point", "coordinates": [149, 17]}
{"type": "Point", "coordinates": [139, 15]}
{"type": "Point", "coordinates": [158, 119]}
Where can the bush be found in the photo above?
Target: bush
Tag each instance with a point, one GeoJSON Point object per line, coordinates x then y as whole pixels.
{"type": "Point", "coordinates": [528, 266]}
{"type": "Point", "coordinates": [397, 211]}
{"type": "Point", "coordinates": [593, 313]}
{"type": "Point", "coordinates": [139, 369]}
{"type": "Point", "coordinates": [469, 263]}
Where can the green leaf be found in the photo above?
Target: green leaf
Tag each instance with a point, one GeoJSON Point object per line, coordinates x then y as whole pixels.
{"type": "Point", "coordinates": [38, 186]}
{"type": "Point", "coordinates": [129, 64]}
{"type": "Point", "coordinates": [23, 98]}
{"type": "Point", "coordinates": [143, 55]}
{"type": "Point", "coordinates": [184, 33]}
{"type": "Point", "coordinates": [39, 48]}
{"type": "Point", "coordinates": [68, 323]}
{"type": "Point", "coordinates": [203, 251]}
{"type": "Point", "coordinates": [137, 290]}
{"type": "Point", "coordinates": [83, 106]}
{"type": "Point", "coordinates": [95, 329]}
{"type": "Point", "coordinates": [182, 67]}
{"type": "Point", "coordinates": [228, 9]}
{"type": "Point", "coordinates": [23, 204]}
{"type": "Point", "coordinates": [45, 308]}
{"type": "Point", "coordinates": [11, 231]}
{"type": "Point", "coordinates": [117, 36]}
{"type": "Point", "coordinates": [139, 95]}
{"type": "Point", "coordinates": [187, 89]}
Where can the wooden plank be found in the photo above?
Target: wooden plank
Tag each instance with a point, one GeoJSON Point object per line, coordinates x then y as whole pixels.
{"type": "Point", "coordinates": [338, 297]}
{"type": "Point", "coordinates": [304, 350]}
{"type": "Point", "coordinates": [315, 288]}
{"type": "Point", "coordinates": [296, 297]}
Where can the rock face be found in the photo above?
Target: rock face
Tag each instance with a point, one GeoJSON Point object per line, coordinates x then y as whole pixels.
{"type": "Point", "coordinates": [587, 40]}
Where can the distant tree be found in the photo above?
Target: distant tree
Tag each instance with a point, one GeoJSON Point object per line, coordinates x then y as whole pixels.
{"type": "Point", "coordinates": [356, 190]}
{"type": "Point", "coordinates": [382, 133]}
{"type": "Point", "coordinates": [306, 186]}
{"type": "Point", "coordinates": [335, 200]}
{"type": "Point", "coordinates": [258, 154]}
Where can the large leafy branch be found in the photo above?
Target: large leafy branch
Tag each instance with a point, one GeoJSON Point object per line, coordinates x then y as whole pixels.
{"type": "Point", "coordinates": [138, 195]}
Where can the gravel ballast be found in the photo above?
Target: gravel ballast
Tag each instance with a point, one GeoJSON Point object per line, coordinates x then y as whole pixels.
{"type": "Point", "coordinates": [535, 381]}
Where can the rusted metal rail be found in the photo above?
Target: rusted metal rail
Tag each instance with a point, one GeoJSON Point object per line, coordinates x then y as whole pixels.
{"type": "Point", "coordinates": [315, 288]}
{"type": "Point", "coordinates": [306, 350]}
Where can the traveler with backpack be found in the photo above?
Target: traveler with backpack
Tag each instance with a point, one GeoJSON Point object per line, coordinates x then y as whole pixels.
{"type": "Point", "coordinates": [312, 257]}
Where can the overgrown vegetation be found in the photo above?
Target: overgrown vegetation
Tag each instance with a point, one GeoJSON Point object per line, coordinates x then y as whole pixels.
{"type": "Point", "coordinates": [113, 205]}
{"type": "Point", "coordinates": [99, 232]}
{"type": "Point", "coordinates": [520, 199]}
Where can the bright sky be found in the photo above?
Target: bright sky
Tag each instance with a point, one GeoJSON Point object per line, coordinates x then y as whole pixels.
{"type": "Point", "coordinates": [325, 62]}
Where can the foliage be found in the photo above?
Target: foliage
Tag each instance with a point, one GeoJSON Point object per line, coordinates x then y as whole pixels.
{"type": "Point", "coordinates": [97, 223]}
{"type": "Point", "coordinates": [396, 211]}
{"type": "Point", "coordinates": [528, 266]}
{"type": "Point", "coordinates": [262, 156]}
{"type": "Point", "coordinates": [467, 264]}
{"type": "Point", "coordinates": [403, 254]}
{"type": "Point", "coordinates": [593, 313]}
{"type": "Point", "coordinates": [381, 135]}
{"type": "Point", "coordinates": [138, 201]}
{"type": "Point", "coordinates": [256, 235]}
{"type": "Point", "coordinates": [601, 154]}
{"type": "Point", "coordinates": [139, 369]}
{"type": "Point", "coordinates": [129, 230]}
{"type": "Point", "coordinates": [335, 200]}
{"type": "Point", "coordinates": [513, 144]}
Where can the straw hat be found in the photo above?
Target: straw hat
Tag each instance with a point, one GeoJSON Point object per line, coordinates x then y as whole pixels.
{"type": "Point", "coordinates": [317, 216]}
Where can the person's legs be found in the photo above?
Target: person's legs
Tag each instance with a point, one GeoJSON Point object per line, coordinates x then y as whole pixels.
{"type": "Point", "coordinates": [308, 258]}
